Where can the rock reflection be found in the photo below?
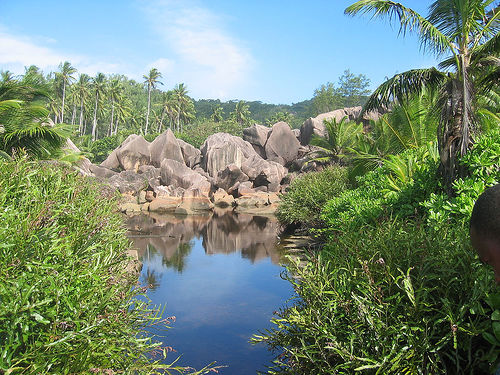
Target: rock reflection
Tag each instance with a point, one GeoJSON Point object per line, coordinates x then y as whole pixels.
{"type": "Point", "coordinates": [223, 232]}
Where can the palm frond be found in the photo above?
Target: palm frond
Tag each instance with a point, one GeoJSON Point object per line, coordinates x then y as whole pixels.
{"type": "Point", "coordinates": [402, 86]}
{"type": "Point", "coordinates": [409, 21]}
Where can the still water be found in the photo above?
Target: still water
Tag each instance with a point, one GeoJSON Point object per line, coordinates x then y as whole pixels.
{"type": "Point", "coordinates": [219, 276]}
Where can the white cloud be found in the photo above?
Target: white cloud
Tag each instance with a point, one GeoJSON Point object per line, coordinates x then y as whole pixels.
{"type": "Point", "coordinates": [209, 60]}
{"type": "Point", "coordinates": [18, 52]}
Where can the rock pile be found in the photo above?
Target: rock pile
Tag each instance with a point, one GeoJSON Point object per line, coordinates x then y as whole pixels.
{"type": "Point", "coordinates": [247, 174]}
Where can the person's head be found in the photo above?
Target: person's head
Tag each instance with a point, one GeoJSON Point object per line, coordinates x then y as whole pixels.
{"type": "Point", "coordinates": [485, 228]}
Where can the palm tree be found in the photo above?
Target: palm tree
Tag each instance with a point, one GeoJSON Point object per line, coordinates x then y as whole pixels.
{"type": "Point", "coordinates": [467, 32]}
{"type": "Point", "coordinates": [184, 108]}
{"type": "Point", "coordinates": [241, 113]}
{"type": "Point", "coordinates": [217, 113]}
{"type": "Point", "coordinates": [82, 90]}
{"type": "Point", "coordinates": [122, 112]}
{"type": "Point", "coordinates": [99, 86]}
{"type": "Point", "coordinates": [115, 91]}
{"type": "Point", "coordinates": [66, 72]}
{"type": "Point", "coordinates": [340, 137]}
{"type": "Point", "coordinates": [25, 123]}
{"type": "Point", "coordinates": [151, 80]}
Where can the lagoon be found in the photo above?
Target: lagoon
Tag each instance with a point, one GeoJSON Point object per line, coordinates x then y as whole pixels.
{"type": "Point", "coordinates": [219, 275]}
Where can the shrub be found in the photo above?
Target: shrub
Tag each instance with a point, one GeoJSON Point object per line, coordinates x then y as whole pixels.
{"type": "Point", "coordinates": [388, 299]}
{"type": "Point", "coordinates": [483, 166]}
{"type": "Point", "coordinates": [67, 305]}
{"type": "Point", "coordinates": [307, 195]}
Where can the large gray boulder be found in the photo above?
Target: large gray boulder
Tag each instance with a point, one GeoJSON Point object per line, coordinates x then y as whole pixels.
{"type": "Point", "coordinates": [229, 176]}
{"type": "Point", "coordinates": [112, 161]}
{"type": "Point", "coordinates": [134, 153]}
{"type": "Point", "coordinates": [99, 171]}
{"type": "Point", "coordinates": [263, 172]}
{"type": "Point", "coordinates": [222, 149]}
{"type": "Point", "coordinates": [190, 154]}
{"type": "Point", "coordinates": [257, 136]}
{"type": "Point", "coordinates": [128, 182]}
{"type": "Point", "coordinates": [282, 146]}
{"type": "Point", "coordinates": [316, 126]}
{"type": "Point", "coordinates": [165, 146]}
{"type": "Point", "coordinates": [179, 175]}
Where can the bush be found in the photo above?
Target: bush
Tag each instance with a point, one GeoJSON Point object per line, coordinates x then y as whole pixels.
{"type": "Point", "coordinates": [67, 305]}
{"type": "Point", "coordinates": [308, 194]}
{"type": "Point", "coordinates": [389, 293]}
{"type": "Point", "coordinates": [389, 299]}
{"type": "Point", "coordinates": [483, 166]}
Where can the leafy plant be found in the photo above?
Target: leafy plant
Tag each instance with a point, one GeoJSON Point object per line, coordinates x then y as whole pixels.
{"type": "Point", "coordinates": [308, 194]}
{"type": "Point", "coordinates": [68, 304]}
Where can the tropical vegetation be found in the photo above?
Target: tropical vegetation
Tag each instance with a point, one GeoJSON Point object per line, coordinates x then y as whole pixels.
{"type": "Point", "coordinates": [395, 286]}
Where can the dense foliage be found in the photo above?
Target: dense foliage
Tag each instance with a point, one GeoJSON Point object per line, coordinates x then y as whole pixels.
{"type": "Point", "coordinates": [397, 287]}
{"type": "Point", "coordinates": [307, 195]}
{"type": "Point", "coordinates": [67, 305]}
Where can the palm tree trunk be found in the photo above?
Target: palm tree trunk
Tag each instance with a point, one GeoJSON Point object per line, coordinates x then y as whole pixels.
{"type": "Point", "coordinates": [81, 117]}
{"type": "Point", "coordinates": [94, 123]}
{"type": "Point", "coordinates": [149, 106]}
{"type": "Point", "coordinates": [73, 115]}
{"type": "Point", "coordinates": [110, 132]}
{"type": "Point", "coordinates": [62, 106]}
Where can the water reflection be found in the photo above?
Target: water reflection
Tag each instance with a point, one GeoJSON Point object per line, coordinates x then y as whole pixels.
{"type": "Point", "coordinates": [172, 236]}
{"type": "Point", "coordinates": [219, 275]}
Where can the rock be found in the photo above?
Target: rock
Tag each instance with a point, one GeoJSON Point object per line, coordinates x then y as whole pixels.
{"type": "Point", "coordinates": [163, 191]}
{"type": "Point", "coordinates": [263, 172]}
{"type": "Point", "coordinates": [245, 189]}
{"type": "Point", "coordinates": [149, 195]}
{"type": "Point", "coordinates": [128, 182]}
{"type": "Point", "coordinates": [190, 154]}
{"type": "Point", "coordinates": [193, 202]}
{"type": "Point", "coordinates": [222, 149]}
{"type": "Point", "coordinates": [141, 198]}
{"type": "Point", "coordinates": [133, 154]}
{"type": "Point", "coordinates": [111, 161]}
{"type": "Point", "coordinates": [179, 175]}
{"type": "Point", "coordinates": [222, 199]}
{"type": "Point", "coordinates": [165, 146]}
{"type": "Point", "coordinates": [83, 164]}
{"type": "Point", "coordinates": [316, 126]}
{"type": "Point", "coordinates": [257, 203]}
{"type": "Point", "coordinates": [230, 176]}
{"type": "Point", "coordinates": [129, 207]}
{"type": "Point", "coordinates": [257, 136]}
{"type": "Point", "coordinates": [282, 146]}
{"type": "Point", "coordinates": [99, 171]}
{"type": "Point", "coordinates": [164, 204]}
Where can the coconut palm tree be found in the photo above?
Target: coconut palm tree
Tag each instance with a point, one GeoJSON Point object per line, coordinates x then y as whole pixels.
{"type": "Point", "coordinates": [217, 113]}
{"type": "Point", "coordinates": [184, 106]}
{"type": "Point", "coordinates": [151, 80]}
{"type": "Point", "coordinates": [99, 86]}
{"type": "Point", "coordinates": [241, 113]}
{"type": "Point", "coordinates": [466, 32]}
{"type": "Point", "coordinates": [25, 123]}
{"type": "Point", "coordinates": [66, 72]}
{"type": "Point", "coordinates": [115, 91]}
{"type": "Point", "coordinates": [82, 90]}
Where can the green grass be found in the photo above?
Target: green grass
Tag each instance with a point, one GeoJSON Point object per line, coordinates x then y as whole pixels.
{"type": "Point", "coordinates": [66, 304]}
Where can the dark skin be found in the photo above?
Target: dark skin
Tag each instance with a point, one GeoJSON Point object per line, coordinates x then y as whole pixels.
{"type": "Point", "coordinates": [488, 249]}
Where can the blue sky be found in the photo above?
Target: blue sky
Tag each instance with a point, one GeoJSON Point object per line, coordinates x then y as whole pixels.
{"type": "Point", "coordinates": [273, 51]}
